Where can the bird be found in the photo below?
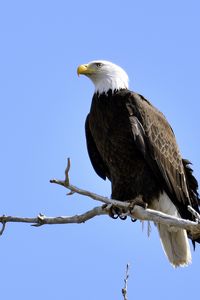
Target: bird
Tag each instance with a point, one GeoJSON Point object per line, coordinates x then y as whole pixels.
{"type": "Point", "coordinates": [131, 143]}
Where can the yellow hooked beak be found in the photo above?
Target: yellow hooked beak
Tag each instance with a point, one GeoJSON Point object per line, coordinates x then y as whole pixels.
{"type": "Point", "coordinates": [84, 70]}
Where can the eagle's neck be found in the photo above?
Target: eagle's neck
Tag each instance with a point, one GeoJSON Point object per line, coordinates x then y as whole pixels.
{"type": "Point", "coordinates": [110, 83]}
{"type": "Point", "coordinates": [108, 94]}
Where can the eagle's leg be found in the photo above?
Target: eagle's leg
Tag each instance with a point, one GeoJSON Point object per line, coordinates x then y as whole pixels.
{"type": "Point", "coordinates": [138, 201]}
{"type": "Point", "coordinates": [115, 212]}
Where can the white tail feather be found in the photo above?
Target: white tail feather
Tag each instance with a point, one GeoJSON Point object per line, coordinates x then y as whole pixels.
{"type": "Point", "coordinates": [174, 241]}
{"type": "Point", "coordinates": [175, 245]}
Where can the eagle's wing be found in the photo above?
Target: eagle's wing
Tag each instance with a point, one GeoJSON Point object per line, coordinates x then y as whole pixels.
{"type": "Point", "coordinates": [156, 140]}
{"type": "Point", "coordinates": [95, 157]}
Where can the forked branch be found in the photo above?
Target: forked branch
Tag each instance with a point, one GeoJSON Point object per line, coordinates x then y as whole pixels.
{"type": "Point", "coordinates": [136, 212]}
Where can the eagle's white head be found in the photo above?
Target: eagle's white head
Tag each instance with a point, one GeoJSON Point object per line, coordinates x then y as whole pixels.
{"type": "Point", "coordinates": [105, 75]}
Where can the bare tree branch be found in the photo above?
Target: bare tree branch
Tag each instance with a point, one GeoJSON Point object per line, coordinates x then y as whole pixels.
{"type": "Point", "coordinates": [43, 220]}
{"type": "Point", "coordinates": [125, 289]}
{"type": "Point", "coordinates": [136, 212]}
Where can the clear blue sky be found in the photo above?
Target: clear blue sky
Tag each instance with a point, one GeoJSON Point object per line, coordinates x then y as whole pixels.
{"type": "Point", "coordinates": [43, 109]}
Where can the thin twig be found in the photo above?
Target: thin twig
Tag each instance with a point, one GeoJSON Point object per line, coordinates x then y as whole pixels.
{"type": "Point", "coordinates": [73, 189]}
{"type": "Point", "coordinates": [125, 289]}
{"type": "Point", "coordinates": [3, 225]}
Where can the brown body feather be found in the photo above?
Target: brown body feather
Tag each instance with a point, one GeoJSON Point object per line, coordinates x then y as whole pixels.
{"type": "Point", "coordinates": [131, 143]}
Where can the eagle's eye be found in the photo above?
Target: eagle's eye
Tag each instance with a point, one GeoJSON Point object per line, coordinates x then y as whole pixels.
{"type": "Point", "coordinates": [99, 65]}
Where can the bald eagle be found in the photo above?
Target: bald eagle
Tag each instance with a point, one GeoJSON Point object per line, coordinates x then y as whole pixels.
{"type": "Point", "coordinates": [131, 143]}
